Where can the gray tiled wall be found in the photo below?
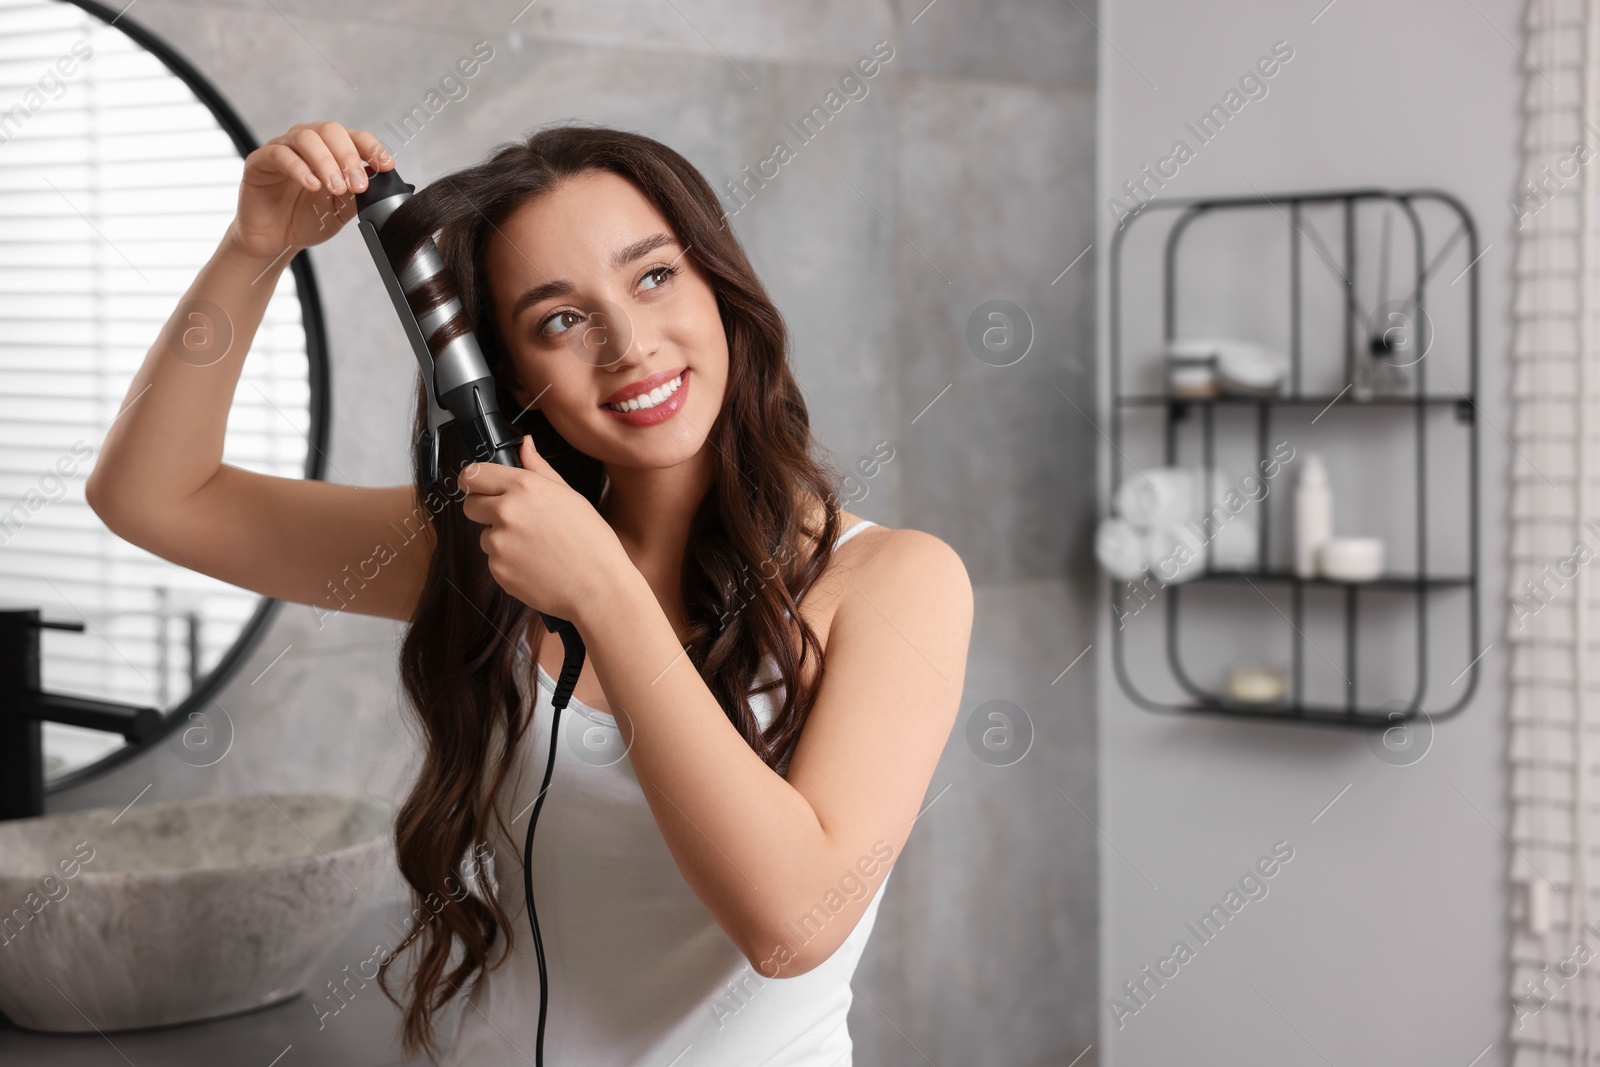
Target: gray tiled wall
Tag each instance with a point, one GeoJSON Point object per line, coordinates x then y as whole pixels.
{"type": "Point", "coordinates": [965, 175]}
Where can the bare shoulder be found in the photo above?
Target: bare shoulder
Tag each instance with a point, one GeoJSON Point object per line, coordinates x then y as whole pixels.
{"type": "Point", "coordinates": [895, 653]}
{"type": "Point", "coordinates": [910, 567]}
{"type": "Point", "coordinates": [898, 570]}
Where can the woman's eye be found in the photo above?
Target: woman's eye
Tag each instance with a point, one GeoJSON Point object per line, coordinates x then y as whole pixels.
{"type": "Point", "coordinates": [545, 327]}
{"type": "Point", "coordinates": [548, 328]}
{"type": "Point", "coordinates": [661, 273]}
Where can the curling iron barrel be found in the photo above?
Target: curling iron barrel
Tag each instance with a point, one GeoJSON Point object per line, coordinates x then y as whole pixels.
{"type": "Point", "coordinates": [423, 289]}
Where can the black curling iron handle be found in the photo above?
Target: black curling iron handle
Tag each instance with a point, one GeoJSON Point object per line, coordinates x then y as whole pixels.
{"type": "Point", "coordinates": [490, 440]}
{"type": "Point", "coordinates": [487, 434]}
{"type": "Point", "coordinates": [495, 443]}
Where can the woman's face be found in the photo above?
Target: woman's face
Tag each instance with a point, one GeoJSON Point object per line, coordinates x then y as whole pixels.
{"type": "Point", "coordinates": [595, 298]}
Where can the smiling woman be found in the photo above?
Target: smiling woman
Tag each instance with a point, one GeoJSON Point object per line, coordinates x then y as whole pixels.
{"type": "Point", "coordinates": [668, 454]}
{"type": "Point", "coordinates": [743, 745]}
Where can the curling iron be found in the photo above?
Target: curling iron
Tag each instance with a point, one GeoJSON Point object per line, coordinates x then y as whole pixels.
{"type": "Point", "coordinates": [460, 393]}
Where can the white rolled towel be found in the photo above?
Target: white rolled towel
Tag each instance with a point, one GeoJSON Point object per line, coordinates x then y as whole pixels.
{"type": "Point", "coordinates": [1120, 549]}
{"type": "Point", "coordinates": [1174, 553]}
{"type": "Point", "coordinates": [1158, 497]}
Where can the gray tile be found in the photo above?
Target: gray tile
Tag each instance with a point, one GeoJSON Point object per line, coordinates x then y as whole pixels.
{"type": "Point", "coordinates": [818, 31]}
{"type": "Point", "coordinates": [987, 940]}
{"type": "Point", "coordinates": [1052, 42]}
{"type": "Point", "coordinates": [821, 31]}
{"type": "Point", "coordinates": [813, 235]}
{"type": "Point", "coordinates": [996, 201]}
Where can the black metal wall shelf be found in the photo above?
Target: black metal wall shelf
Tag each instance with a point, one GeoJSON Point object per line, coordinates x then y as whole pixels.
{"type": "Point", "coordinates": [1386, 581]}
{"type": "Point", "coordinates": [1422, 585]}
{"type": "Point", "coordinates": [1137, 401]}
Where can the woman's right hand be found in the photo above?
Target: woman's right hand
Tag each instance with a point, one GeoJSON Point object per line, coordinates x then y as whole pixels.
{"type": "Point", "coordinates": [298, 188]}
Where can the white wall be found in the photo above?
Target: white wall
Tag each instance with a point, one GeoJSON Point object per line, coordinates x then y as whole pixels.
{"type": "Point", "coordinates": [1383, 940]}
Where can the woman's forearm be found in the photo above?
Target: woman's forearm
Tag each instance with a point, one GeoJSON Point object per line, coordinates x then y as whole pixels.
{"type": "Point", "coordinates": [748, 843]}
{"type": "Point", "coordinates": [166, 440]}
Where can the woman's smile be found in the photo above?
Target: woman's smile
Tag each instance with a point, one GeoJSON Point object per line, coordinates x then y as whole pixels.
{"type": "Point", "coordinates": [650, 401]}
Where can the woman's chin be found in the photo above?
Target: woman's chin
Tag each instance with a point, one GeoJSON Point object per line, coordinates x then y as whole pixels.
{"type": "Point", "coordinates": [659, 450]}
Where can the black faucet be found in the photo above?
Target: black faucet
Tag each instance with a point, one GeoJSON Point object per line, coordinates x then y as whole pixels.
{"type": "Point", "coordinates": [23, 707]}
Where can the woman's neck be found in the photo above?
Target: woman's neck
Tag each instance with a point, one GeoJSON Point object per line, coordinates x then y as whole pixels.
{"type": "Point", "coordinates": [651, 510]}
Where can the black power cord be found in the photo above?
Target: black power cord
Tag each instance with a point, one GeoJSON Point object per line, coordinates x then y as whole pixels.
{"type": "Point", "coordinates": [571, 667]}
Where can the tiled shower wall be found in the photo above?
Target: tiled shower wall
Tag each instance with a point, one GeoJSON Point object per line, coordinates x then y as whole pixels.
{"type": "Point", "coordinates": [964, 175]}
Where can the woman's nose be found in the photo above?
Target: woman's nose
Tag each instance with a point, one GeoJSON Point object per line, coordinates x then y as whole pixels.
{"type": "Point", "coordinates": [605, 337]}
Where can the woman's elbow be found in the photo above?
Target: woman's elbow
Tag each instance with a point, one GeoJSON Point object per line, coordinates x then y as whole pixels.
{"type": "Point", "coordinates": [777, 956]}
{"type": "Point", "coordinates": [96, 494]}
{"type": "Point", "coordinates": [128, 518]}
{"type": "Point", "coordinates": [781, 962]}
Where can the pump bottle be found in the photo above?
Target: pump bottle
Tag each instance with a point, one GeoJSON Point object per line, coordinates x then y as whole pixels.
{"type": "Point", "coordinates": [1313, 515]}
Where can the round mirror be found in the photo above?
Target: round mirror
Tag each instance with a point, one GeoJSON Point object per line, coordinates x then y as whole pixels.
{"type": "Point", "coordinates": [119, 172]}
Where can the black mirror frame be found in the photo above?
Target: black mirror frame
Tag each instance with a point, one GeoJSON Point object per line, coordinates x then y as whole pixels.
{"type": "Point", "coordinates": [316, 357]}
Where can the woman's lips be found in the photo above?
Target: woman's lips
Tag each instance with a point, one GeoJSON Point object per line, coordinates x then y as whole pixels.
{"type": "Point", "coordinates": [660, 412]}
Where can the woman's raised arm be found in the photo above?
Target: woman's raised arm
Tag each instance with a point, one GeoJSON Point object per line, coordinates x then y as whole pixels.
{"type": "Point", "coordinates": [159, 480]}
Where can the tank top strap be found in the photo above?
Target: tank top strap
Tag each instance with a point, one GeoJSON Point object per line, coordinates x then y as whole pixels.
{"type": "Point", "coordinates": [857, 528]}
{"type": "Point", "coordinates": [841, 539]}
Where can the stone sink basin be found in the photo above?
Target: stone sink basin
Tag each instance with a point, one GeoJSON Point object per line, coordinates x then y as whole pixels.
{"type": "Point", "coordinates": [173, 912]}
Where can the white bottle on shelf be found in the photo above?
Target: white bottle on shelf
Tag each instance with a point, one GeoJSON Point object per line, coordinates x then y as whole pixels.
{"type": "Point", "coordinates": [1313, 515]}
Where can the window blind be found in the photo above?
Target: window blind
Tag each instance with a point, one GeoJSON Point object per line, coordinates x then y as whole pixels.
{"type": "Point", "coordinates": [116, 184]}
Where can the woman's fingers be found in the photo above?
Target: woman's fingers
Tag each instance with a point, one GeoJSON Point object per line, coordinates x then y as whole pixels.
{"type": "Point", "coordinates": [533, 461]}
{"type": "Point", "coordinates": [326, 155]}
{"type": "Point", "coordinates": [372, 151]}
{"type": "Point", "coordinates": [496, 478]}
{"type": "Point", "coordinates": [485, 511]}
{"type": "Point", "coordinates": [318, 156]}
{"type": "Point", "coordinates": [348, 157]}
{"type": "Point", "coordinates": [279, 157]}
{"type": "Point", "coordinates": [486, 479]}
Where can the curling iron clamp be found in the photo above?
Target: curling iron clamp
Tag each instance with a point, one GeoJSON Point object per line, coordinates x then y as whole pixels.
{"type": "Point", "coordinates": [460, 390]}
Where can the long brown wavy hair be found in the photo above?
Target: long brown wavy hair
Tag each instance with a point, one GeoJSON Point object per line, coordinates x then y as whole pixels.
{"type": "Point", "coordinates": [751, 553]}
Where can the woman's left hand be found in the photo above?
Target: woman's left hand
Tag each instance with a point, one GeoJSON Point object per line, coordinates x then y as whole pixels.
{"type": "Point", "coordinates": [547, 545]}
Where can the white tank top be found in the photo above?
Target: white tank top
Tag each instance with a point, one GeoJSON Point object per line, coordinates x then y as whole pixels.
{"type": "Point", "coordinates": [640, 973]}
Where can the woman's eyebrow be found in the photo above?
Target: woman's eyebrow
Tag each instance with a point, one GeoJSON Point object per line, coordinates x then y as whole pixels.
{"type": "Point", "coordinates": [548, 290]}
{"type": "Point", "coordinates": [639, 249]}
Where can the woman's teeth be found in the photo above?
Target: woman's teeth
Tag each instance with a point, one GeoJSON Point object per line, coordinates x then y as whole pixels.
{"type": "Point", "coordinates": [650, 399]}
